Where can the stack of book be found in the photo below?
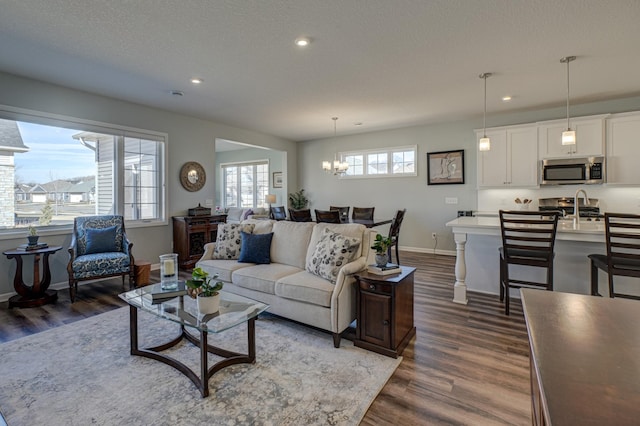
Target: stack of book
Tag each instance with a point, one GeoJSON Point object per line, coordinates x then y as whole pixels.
{"type": "Point", "coordinates": [157, 294]}
{"type": "Point", "coordinates": [33, 246]}
{"type": "Point", "coordinates": [388, 269]}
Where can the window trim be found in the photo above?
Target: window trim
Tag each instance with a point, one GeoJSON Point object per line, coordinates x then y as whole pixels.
{"type": "Point", "coordinates": [68, 122]}
{"type": "Point", "coordinates": [385, 150]}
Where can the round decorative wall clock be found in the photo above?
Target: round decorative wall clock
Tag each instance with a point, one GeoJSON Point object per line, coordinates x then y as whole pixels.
{"type": "Point", "coordinates": [192, 176]}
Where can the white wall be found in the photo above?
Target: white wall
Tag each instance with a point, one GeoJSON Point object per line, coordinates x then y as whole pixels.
{"type": "Point", "coordinates": [426, 208]}
{"type": "Point", "coordinates": [190, 139]}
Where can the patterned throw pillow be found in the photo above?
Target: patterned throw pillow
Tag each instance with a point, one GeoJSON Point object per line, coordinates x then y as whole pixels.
{"type": "Point", "coordinates": [228, 242]}
{"type": "Point", "coordinates": [332, 253]}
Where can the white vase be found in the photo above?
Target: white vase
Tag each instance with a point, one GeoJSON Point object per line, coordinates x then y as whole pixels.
{"type": "Point", "coordinates": [208, 304]}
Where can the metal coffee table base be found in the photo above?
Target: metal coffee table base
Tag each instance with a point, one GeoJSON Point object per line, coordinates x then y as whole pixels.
{"type": "Point", "coordinates": [202, 381]}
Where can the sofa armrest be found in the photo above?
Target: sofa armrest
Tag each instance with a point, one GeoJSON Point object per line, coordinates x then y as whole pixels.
{"type": "Point", "coordinates": [346, 271]}
{"type": "Point", "coordinates": [208, 251]}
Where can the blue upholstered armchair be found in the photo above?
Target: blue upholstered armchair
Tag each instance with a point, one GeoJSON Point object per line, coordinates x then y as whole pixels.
{"type": "Point", "coordinates": [99, 249]}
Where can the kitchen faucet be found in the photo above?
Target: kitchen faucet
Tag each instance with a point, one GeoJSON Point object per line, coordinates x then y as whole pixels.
{"type": "Point", "coordinates": [576, 207]}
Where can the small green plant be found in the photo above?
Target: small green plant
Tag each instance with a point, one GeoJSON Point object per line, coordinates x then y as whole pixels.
{"type": "Point", "coordinates": [33, 231]}
{"type": "Point", "coordinates": [381, 244]}
{"type": "Point", "coordinates": [200, 281]}
{"type": "Point", "coordinates": [298, 200]}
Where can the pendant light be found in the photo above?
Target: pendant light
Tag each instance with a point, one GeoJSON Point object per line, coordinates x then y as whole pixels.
{"type": "Point", "coordinates": [485, 142]}
{"type": "Point", "coordinates": [336, 167]}
{"type": "Point", "coordinates": [568, 136]}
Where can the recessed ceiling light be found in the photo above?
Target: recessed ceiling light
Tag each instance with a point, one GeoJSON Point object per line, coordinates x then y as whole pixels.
{"type": "Point", "coordinates": [506, 98]}
{"type": "Point", "coordinates": [177, 93]}
{"type": "Point", "coordinates": [196, 80]}
{"type": "Point", "coordinates": [302, 41]}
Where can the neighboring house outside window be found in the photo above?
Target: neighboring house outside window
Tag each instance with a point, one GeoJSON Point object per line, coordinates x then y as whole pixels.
{"type": "Point", "coordinates": [68, 168]}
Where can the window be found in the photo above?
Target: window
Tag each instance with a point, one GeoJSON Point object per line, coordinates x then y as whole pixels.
{"type": "Point", "coordinates": [384, 162]}
{"type": "Point", "coordinates": [53, 170]}
{"type": "Point", "coordinates": [245, 184]}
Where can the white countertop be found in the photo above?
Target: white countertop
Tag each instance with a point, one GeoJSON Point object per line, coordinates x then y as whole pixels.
{"type": "Point", "coordinates": [590, 231]}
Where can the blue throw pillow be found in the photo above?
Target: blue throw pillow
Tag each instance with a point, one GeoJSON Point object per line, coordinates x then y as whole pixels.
{"type": "Point", "coordinates": [255, 248]}
{"type": "Point", "coordinates": [101, 240]}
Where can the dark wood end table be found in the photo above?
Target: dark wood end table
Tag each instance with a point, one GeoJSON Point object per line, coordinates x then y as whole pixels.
{"type": "Point", "coordinates": [384, 311]}
{"type": "Point", "coordinates": [37, 294]}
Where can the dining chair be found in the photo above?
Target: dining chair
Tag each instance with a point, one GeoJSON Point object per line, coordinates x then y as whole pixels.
{"type": "Point", "coordinates": [300, 215]}
{"type": "Point", "coordinates": [278, 213]}
{"type": "Point", "coordinates": [344, 213]}
{"type": "Point", "coordinates": [623, 252]}
{"type": "Point", "coordinates": [99, 248]}
{"type": "Point", "coordinates": [394, 234]}
{"type": "Point", "coordinates": [328, 216]}
{"type": "Point", "coordinates": [363, 213]}
{"type": "Point", "coordinates": [528, 239]}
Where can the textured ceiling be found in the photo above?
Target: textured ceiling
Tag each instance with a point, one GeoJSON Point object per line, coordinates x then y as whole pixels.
{"type": "Point", "coordinates": [384, 63]}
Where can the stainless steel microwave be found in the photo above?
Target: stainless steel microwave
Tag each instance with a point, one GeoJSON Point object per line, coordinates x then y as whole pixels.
{"type": "Point", "coordinates": [573, 171]}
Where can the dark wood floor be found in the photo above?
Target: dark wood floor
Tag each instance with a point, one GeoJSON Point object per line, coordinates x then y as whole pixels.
{"type": "Point", "coordinates": [467, 365]}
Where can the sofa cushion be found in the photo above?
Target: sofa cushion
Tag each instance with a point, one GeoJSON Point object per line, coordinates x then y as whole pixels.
{"type": "Point", "coordinates": [331, 253]}
{"type": "Point", "coordinates": [224, 268]}
{"type": "Point", "coordinates": [255, 248]}
{"type": "Point", "coordinates": [101, 240]}
{"type": "Point", "coordinates": [305, 287]}
{"type": "Point", "coordinates": [262, 277]}
{"type": "Point", "coordinates": [260, 226]}
{"type": "Point", "coordinates": [228, 241]}
{"type": "Point", "coordinates": [234, 214]}
{"type": "Point", "coordinates": [290, 242]}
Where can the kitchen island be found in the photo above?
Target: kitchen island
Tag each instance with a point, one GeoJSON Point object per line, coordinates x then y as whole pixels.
{"type": "Point", "coordinates": [477, 260]}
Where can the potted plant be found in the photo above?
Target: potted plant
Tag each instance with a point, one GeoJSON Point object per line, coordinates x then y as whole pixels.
{"type": "Point", "coordinates": [205, 292]}
{"type": "Point", "coordinates": [298, 200]}
{"type": "Point", "coordinates": [33, 235]}
{"type": "Point", "coordinates": [381, 246]}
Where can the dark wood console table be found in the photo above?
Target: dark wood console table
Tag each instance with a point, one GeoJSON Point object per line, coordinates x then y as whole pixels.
{"type": "Point", "coordinates": [384, 311]}
{"type": "Point", "coordinates": [191, 233]}
{"type": "Point", "coordinates": [584, 354]}
{"type": "Point", "coordinates": [37, 294]}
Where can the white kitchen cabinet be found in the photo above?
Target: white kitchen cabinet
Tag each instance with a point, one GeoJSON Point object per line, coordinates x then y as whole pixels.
{"type": "Point", "coordinates": [589, 138]}
{"type": "Point", "coordinates": [623, 149]}
{"type": "Point", "coordinates": [513, 158]}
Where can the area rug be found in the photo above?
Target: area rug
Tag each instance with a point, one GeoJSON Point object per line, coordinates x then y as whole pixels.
{"type": "Point", "coordinates": [83, 374]}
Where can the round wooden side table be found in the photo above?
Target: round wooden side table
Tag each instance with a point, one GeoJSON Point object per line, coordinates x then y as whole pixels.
{"type": "Point", "coordinates": [37, 294]}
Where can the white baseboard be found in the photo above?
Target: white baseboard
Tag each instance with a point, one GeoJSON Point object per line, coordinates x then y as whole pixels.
{"type": "Point", "coordinates": [428, 250]}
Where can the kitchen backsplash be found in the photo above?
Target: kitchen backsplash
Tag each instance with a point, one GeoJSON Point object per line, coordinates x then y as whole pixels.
{"type": "Point", "coordinates": [619, 199]}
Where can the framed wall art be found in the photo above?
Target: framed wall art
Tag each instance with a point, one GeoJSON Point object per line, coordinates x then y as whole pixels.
{"type": "Point", "coordinates": [277, 179]}
{"type": "Point", "coordinates": [445, 167]}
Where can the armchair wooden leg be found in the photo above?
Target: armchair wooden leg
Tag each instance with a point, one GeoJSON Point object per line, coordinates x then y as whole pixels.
{"type": "Point", "coordinates": [73, 288]}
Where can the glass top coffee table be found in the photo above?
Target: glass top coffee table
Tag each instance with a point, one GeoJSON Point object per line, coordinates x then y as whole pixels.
{"type": "Point", "coordinates": [182, 310]}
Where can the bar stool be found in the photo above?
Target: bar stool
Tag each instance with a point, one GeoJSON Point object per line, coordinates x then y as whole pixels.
{"type": "Point", "coordinates": [528, 239]}
{"type": "Point", "coordinates": [623, 252]}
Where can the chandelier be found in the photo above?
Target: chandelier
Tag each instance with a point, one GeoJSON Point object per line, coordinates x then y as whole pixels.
{"type": "Point", "coordinates": [335, 167]}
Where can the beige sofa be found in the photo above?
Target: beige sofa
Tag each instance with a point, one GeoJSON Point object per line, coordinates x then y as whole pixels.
{"type": "Point", "coordinates": [285, 285]}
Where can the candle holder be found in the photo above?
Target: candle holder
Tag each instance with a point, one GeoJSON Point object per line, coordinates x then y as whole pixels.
{"type": "Point", "coordinates": [169, 271]}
